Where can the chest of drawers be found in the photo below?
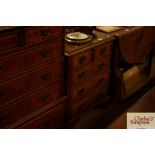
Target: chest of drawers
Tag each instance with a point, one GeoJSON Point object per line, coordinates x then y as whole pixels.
{"type": "Point", "coordinates": [88, 73]}
{"type": "Point", "coordinates": [32, 77]}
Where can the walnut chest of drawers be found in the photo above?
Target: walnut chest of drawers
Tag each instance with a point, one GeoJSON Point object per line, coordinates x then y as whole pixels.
{"type": "Point", "coordinates": [32, 93]}
{"type": "Point", "coordinates": [88, 73]}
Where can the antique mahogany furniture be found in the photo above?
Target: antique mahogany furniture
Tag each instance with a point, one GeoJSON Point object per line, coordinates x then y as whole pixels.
{"type": "Point", "coordinates": [32, 91]}
{"type": "Point", "coordinates": [88, 74]}
{"type": "Point", "coordinates": [50, 81]}
{"type": "Point", "coordinates": [133, 58]}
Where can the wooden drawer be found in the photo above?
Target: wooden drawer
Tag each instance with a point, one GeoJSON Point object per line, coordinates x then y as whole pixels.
{"type": "Point", "coordinates": [81, 59]}
{"type": "Point", "coordinates": [28, 58]}
{"type": "Point", "coordinates": [33, 101]}
{"type": "Point", "coordinates": [90, 100]}
{"type": "Point", "coordinates": [53, 118]}
{"type": "Point", "coordinates": [91, 69]}
{"type": "Point", "coordinates": [104, 51]}
{"type": "Point", "coordinates": [92, 83]}
{"type": "Point", "coordinates": [43, 76]}
{"type": "Point", "coordinates": [39, 33]}
{"type": "Point", "coordinates": [9, 41]}
{"type": "Point", "coordinates": [81, 74]}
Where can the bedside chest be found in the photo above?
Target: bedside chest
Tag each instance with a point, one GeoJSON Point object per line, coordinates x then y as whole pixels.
{"type": "Point", "coordinates": [32, 93]}
{"type": "Point", "coordinates": [88, 73]}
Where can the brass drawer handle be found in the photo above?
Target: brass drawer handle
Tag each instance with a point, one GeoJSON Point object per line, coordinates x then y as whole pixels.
{"type": "Point", "coordinates": [49, 124]}
{"type": "Point", "coordinates": [81, 91]}
{"type": "Point", "coordinates": [81, 75]}
{"type": "Point", "coordinates": [99, 96]}
{"type": "Point", "coordinates": [45, 98]}
{"type": "Point", "coordinates": [46, 53]}
{"type": "Point", "coordinates": [1, 67]}
{"type": "Point", "coordinates": [100, 81]}
{"type": "Point", "coordinates": [101, 66]}
{"type": "Point", "coordinates": [80, 108]}
{"type": "Point", "coordinates": [2, 94]}
{"type": "Point", "coordinates": [46, 76]}
{"type": "Point", "coordinates": [44, 32]}
{"type": "Point", "coordinates": [102, 51]}
{"type": "Point", "coordinates": [81, 59]}
{"type": "Point", "coordinates": [2, 120]}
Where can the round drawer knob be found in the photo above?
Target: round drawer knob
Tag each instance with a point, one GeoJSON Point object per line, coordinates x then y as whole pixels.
{"type": "Point", "coordinates": [101, 66]}
{"type": "Point", "coordinates": [46, 76]}
{"type": "Point", "coordinates": [45, 98]}
{"type": "Point", "coordinates": [1, 67]}
{"type": "Point", "coordinates": [46, 53]}
{"type": "Point", "coordinates": [49, 124]}
{"type": "Point", "coordinates": [81, 59]}
{"type": "Point", "coordinates": [2, 121]}
{"type": "Point", "coordinates": [2, 94]}
{"type": "Point", "coordinates": [44, 32]}
{"type": "Point", "coordinates": [81, 75]}
{"type": "Point", "coordinates": [81, 91]}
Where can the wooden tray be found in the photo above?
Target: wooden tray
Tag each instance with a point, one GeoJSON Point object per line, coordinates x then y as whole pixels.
{"type": "Point", "coordinates": [108, 28]}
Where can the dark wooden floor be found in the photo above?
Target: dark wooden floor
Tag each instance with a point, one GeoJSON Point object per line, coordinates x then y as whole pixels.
{"type": "Point", "coordinates": [102, 117]}
{"type": "Point", "coordinates": [145, 104]}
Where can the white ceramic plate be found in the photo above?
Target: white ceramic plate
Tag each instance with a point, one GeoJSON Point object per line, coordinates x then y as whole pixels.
{"type": "Point", "coordinates": [77, 36]}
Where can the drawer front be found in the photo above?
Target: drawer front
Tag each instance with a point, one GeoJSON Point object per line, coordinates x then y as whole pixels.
{"type": "Point", "coordinates": [80, 91]}
{"type": "Point", "coordinates": [9, 41]}
{"type": "Point", "coordinates": [81, 106]}
{"type": "Point", "coordinates": [51, 119]}
{"type": "Point", "coordinates": [81, 59]}
{"type": "Point", "coordinates": [30, 58]}
{"type": "Point", "coordinates": [86, 71]}
{"type": "Point", "coordinates": [32, 81]}
{"type": "Point", "coordinates": [104, 51]}
{"type": "Point", "coordinates": [92, 83]}
{"type": "Point", "coordinates": [80, 74]}
{"type": "Point", "coordinates": [31, 103]}
{"type": "Point", "coordinates": [39, 33]}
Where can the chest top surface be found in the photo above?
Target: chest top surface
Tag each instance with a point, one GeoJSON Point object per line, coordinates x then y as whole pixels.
{"type": "Point", "coordinates": [100, 38]}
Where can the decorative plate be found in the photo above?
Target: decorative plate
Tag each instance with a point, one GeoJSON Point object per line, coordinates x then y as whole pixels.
{"type": "Point", "coordinates": [77, 36]}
